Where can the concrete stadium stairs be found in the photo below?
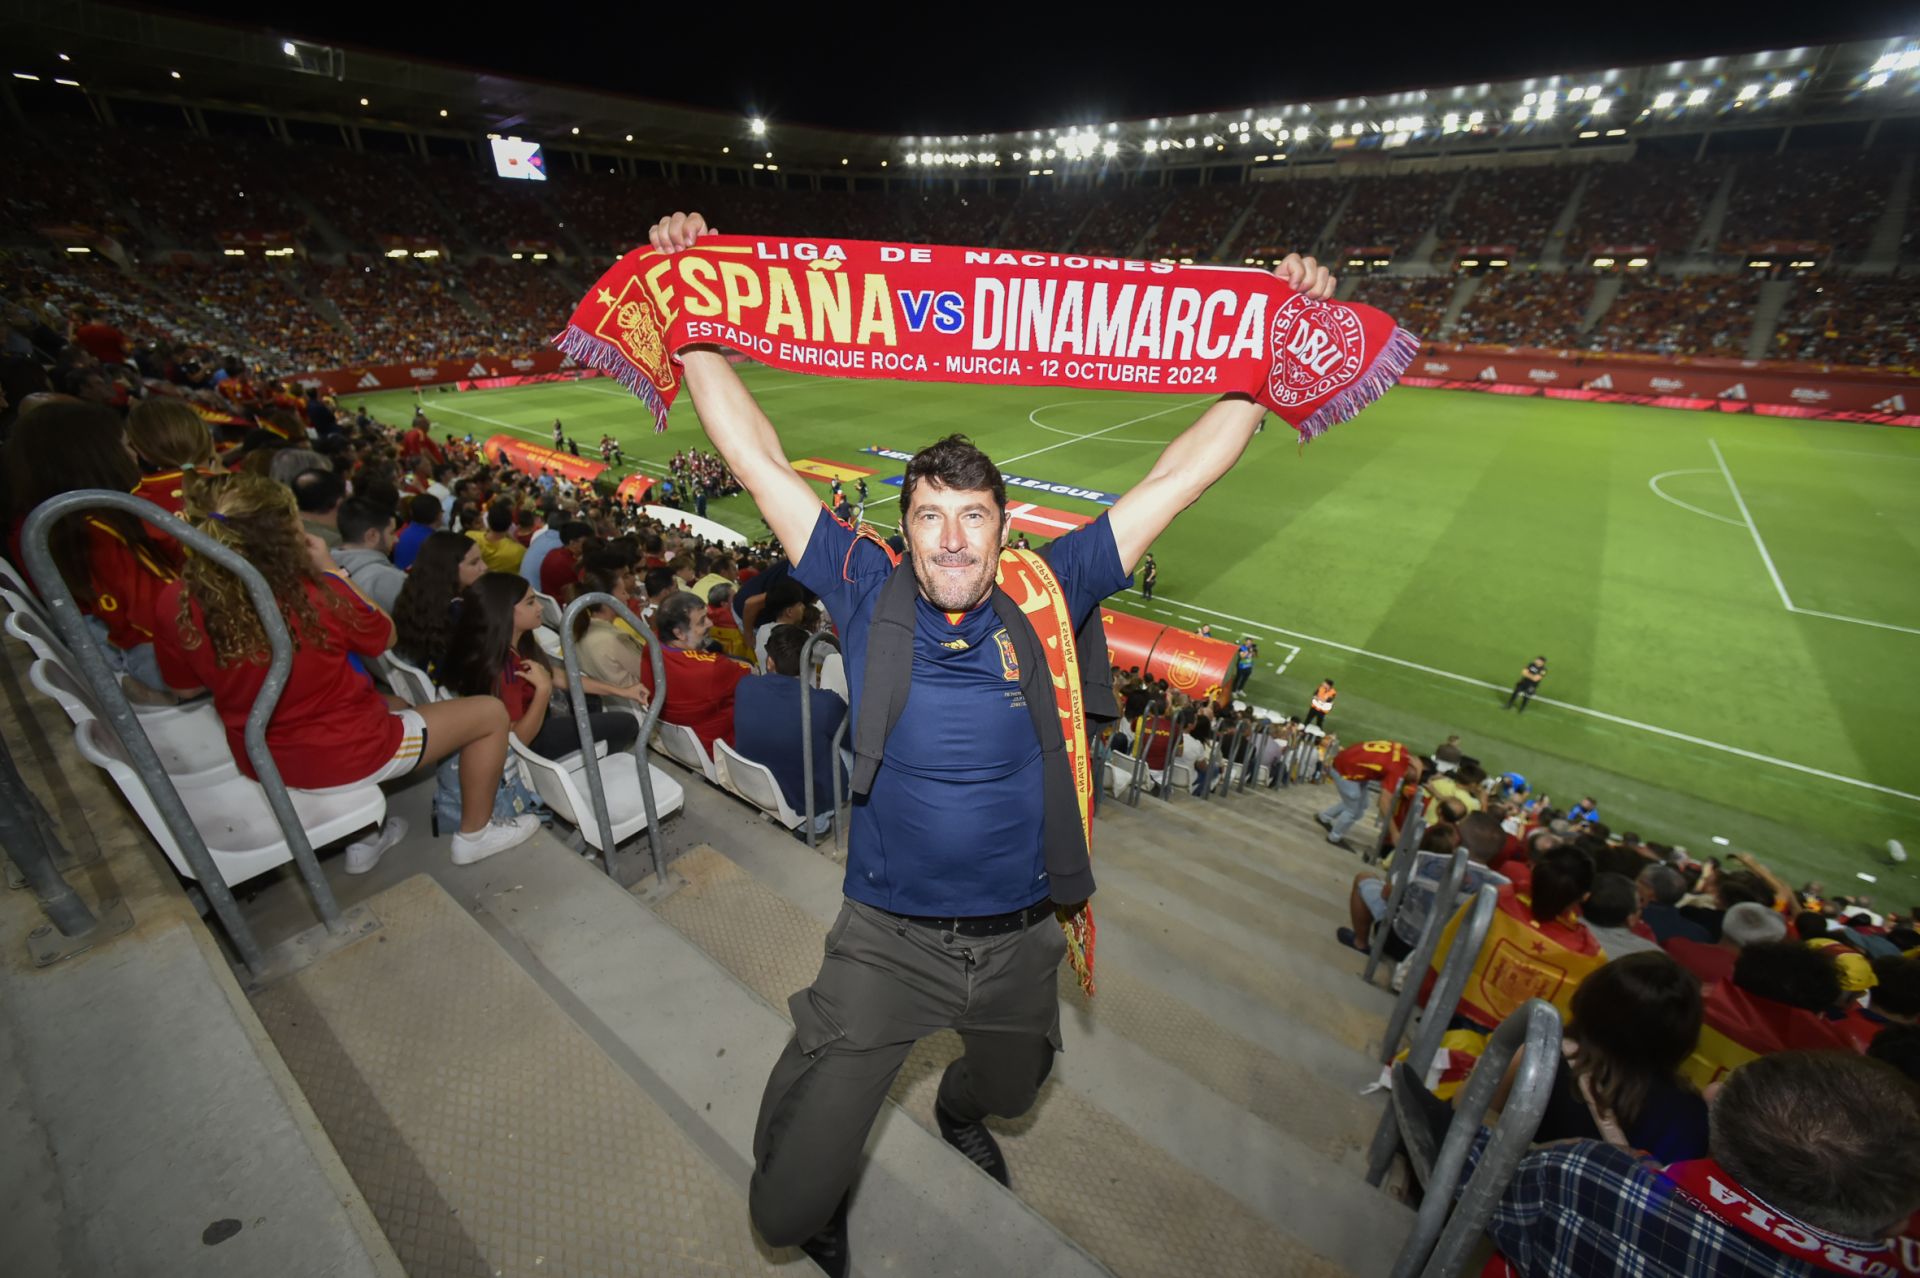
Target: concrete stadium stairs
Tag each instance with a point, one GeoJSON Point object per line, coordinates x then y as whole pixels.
{"type": "Point", "coordinates": [526, 1069]}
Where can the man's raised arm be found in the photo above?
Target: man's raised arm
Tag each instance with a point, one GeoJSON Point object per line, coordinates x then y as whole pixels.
{"type": "Point", "coordinates": [739, 430]}
{"type": "Point", "coordinates": [1205, 450]}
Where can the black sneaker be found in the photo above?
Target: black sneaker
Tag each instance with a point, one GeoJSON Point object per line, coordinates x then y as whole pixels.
{"type": "Point", "coordinates": [1324, 823]}
{"type": "Point", "coordinates": [975, 1141]}
{"type": "Point", "coordinates": [828, 1248]}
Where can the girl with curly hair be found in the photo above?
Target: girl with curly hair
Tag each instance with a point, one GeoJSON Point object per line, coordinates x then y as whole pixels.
{"type": "Point", "coordinates": [446, 564]}
{"type": "Point", "coordinates": [331, 727]}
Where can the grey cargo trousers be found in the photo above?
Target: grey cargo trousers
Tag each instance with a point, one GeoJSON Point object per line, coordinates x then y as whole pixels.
{"type": "Point", "coordinates": [886, 984]}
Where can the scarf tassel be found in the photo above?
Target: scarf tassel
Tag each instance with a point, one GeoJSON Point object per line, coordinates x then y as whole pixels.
{"type": "Point", "coordinates": [595, 352]}
{"type": "Point", "coordinates": [1393, 360]}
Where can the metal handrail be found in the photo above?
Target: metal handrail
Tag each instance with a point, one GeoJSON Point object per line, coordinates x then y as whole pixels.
{"type": "Point", "coordinates": [1477, 920]}
{"type": "Point", "coordinates": [29, 843]}
{"type": "Point", "coordinates": [577, 699]}
{"type": "Point", "coordinates": [1255, 749]}
{"type": "Point", "coordinates": [1398, 875]}
{"type": "Point", "coordinates": [1210, 764]}
{"type": "Point", "coordinates": [1137, 774]}
{"type": "Point", "coordinates": [67, 618]}
{"type": "Point", "coordinates": [839, 735]}
{"type": "Point", "coordinates": [1166, 789]}
{"type": "Point", "coordinates": [1448, 1229]}
{"type": "Point", "coordinates": [806, 729]}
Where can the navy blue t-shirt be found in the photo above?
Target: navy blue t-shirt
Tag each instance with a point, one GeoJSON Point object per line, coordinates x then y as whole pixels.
{"type": "Point", "coordinates": [952, 825]}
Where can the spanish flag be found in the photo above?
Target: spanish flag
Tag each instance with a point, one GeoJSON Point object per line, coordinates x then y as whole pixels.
{"type": "Point", "coordinates": [1739, 1027]}
{"type": "Point", "coordinates": [1519, 961]}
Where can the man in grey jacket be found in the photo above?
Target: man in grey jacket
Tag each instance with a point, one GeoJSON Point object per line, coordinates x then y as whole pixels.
{"type": "Point", "coordinates": [366, 544]}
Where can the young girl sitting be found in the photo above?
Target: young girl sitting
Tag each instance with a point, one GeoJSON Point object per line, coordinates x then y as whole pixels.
{"type": "Point", "coordinates": [174, 445]}
{"type": "Point", "coordinates": [493, 653]}
{"type": "Point", "coordinates": [331, 727]}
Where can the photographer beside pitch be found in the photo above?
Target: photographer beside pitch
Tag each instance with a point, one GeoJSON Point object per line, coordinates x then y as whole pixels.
{"type": "Point", "coordinates": [968, 824]}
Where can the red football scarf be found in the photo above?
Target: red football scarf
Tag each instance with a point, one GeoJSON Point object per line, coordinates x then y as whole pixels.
{"type": "Point", "coordinates": [1706, 1183]}
{"type": "Point", "coordinates": [935, 313]}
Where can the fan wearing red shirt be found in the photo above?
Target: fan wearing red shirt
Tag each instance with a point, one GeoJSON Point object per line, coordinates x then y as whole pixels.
{"type": "Point", "coordinates": [560, 569]}
{"type": "Point", "coordinates": [417, 441]}
{"type": "Point", "coordinates": [1387, 762]}
{"type": "Point", "coordinates": [700, 685]}
{"type": "Point", "coordinates": [102, 341]}
{"type": "Point", "coordinates": [331, 727]}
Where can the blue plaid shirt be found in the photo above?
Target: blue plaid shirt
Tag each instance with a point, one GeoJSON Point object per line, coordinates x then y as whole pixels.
{"type": "Point", "coordinates": [1583, 1209]}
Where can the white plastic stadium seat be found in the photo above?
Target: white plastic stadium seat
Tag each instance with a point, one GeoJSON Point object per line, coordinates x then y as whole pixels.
{"type": "Point", "coordinates": [19, 597]}
{"type": "Point", "coordinates": [755, 783]}
{"type": "Point", "coordinates": [192, 748]}
{"type": "Point", "coordinates": [233, 816]}
{"type": "Point", "coordinates": [565, 790]}
{"type": "Point", "coordinates": [31, 629]}
{"type": "Point", "coordinates": [549, 639]}
{"type": "Point", "coordinates": [678, 742]}
{"type": "Point", "coordinates": [550, 611]}
{"type": "Point", "coordinates": [409, 682]}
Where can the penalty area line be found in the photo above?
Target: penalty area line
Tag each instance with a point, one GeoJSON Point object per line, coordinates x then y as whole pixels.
{"type": "Point", "coordinates": [1604, 716]}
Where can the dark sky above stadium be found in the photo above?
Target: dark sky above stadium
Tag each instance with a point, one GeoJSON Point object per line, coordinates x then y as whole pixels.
{"type": "Point", "coordinates": [966, 67]}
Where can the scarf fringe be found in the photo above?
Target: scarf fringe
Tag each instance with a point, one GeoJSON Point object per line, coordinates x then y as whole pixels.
{"type": "Point", "coordinates": [598, 353]}
{"type": "Point", "coordinates": [1394, 359]}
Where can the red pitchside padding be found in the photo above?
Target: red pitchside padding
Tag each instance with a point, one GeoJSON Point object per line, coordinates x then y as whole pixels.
{"type": "Point", "coordinates": [1192, 664]}
{"type": "Point", "coordinates": [534, 458]}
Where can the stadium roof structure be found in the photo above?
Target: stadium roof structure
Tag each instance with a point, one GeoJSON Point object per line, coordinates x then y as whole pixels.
{"type": "Point", "coordinates": [113, 52]}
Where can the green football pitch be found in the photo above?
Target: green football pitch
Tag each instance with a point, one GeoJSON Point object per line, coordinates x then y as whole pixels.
{"type": "Point", "coordinates": [1730, 605]}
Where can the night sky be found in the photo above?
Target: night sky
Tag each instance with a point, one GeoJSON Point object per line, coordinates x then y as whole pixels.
{"type": "Point", "coordinates": [901, 73]}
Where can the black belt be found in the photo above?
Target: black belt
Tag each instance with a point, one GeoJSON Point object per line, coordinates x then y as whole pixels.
{"type": "Point", "coordinates": [985, 924]}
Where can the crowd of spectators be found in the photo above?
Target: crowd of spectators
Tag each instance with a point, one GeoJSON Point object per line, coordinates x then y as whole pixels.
{"type": "Point", "coordinates": [1288, 217]}
{"type": "Point", "coordinates": [1868, 321]}
{"type": "Point", "coordinates": [399, 310]}
{"type": "Point", "coordinates": [1047, 219]}
{"type": "Point", "coordinates": [1508, 207]}
{"type": "Point", "coordinates": [1120, 220]}
{"type": "Point", "coordinates": [1817, 198]}
{"type": "Point", "coordinates": [1196, 223]}
{"type": "Point", "coordinates": [1678, 315]}
{"type": "Point", "coordinates": [526, 301]}
{"type": "Point", "coordinates": [1394, 212]}
{"type": "Point", "coordinates": [1417, 304]}
{"type": "Point", "coordinates": [1525, 308]}
{"type": "Point", "coordinates": [1656, 201]}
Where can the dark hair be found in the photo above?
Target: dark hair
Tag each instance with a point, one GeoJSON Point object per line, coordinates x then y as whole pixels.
{"type": "Point", "coordinates": [500, 517]}
{"type": "Point", "coordinates": [57, 448]}
{"type": "Point", "coordinates": [675, 614]}
{"type": "Point", "coordinates": [593, 581]}
{"type": "Point", "coordinates": [1898, 1046]}
{"type": "Point", "coordinates": [359, 516]}
{"type": "Point", "coordinates": [1440, 838]}
{"type": "Point", "coordinates": [317, 491]}
{"type": "Point", "coordinates": [1560, 878]}
{"type": "Point", "coordinates": [425, 508]}
{"type": "Point", "coordinates": [423, 614]}
{"type": "Point", "coordinates": [483, 635]}
{"type": "Point", "coordinates": [1611, 901]}
{"type": "Point", "coordinates": [658, 580]}
{"type": "Point", "coordinates": [784, 643]}
{"type": "Point", "coordinates": [1482, 834]}
{"type": "Point", "coordinates": [1897, 991]}
{"type": "Point", "coordinates": [1808, 925]}
{"type": "Point", "coordinates": [953, 462]}
{"type": "Point", "coordinates": [1829, 1138]}
{"type": "Point", "coordinates": [1743, 885]}
{"type": "Point", "coordinates": [574, 530]}
{"type": "Point", "coordinates": [1633, 1022]}
{"type": "Point", "coordinates": [1788, 972]}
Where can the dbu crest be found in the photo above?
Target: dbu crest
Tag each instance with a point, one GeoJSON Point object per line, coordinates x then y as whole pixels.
{"type": "Point", "coordinates": [1318, 347]}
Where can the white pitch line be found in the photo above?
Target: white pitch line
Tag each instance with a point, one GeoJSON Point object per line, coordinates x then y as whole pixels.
{"type": "Point", "coordinates": [1603, 715]}
{"type": "Point", "coordinates": [1664, 495]}
{"type": "Point", "coordinates": [1785, 599]}
{"type": "Point", "coordinates": [1858, 621]}
{"type": "Point", "coordinates": [1006, 462]}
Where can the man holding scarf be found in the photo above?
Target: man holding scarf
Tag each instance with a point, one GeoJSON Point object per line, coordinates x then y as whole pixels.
{"type": "Point", "coordinates": [973, 669]}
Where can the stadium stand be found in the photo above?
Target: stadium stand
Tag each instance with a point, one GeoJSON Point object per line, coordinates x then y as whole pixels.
{"type": "Point", "coordinates": [1120, 219]}
{"type": "Point", "coordinates": [1508, 207]}
{"type": "Point", "coordinates": [1525, 309]}
{"type": "Point", "coordinates": [1288, 216]}
{"type": "Point", "coordinates": [1419, 304]}
{"type": "Point", "coordinates": [1656, 201]}
{"type": "Point", "coordinates": [1196, 222]}
{"type": "Point", "coordinates": [1678, 315]}
{"type": "Point", "coordinates": [1393, 212]}
{"type": "Point", "coordinates": [1830, 199]}
{"type": "Point", "coordinates": [1863, 321]}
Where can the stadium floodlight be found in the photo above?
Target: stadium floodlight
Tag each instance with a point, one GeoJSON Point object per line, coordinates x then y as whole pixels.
{"type": "Point", "coordinates": [1189, 145]}
{"type": "Point", "coordinates": [1781, 90]}
{"type": "Point", "coordinates": [71, 84]}
{"type": "Point", "coordinates": [1698, 97]}
{"type": "Point", "coordinates": [758, 125]}
{"type": "Point", "coordinates": [1907, 61]}
{"type": "Point", "coordinates": [1616, 133]}
{"type": "Point", "coordinates": [576, 130]}
{"type": "Point", "coordinates": [1111, 149]}
{"type": "Point", "coordinates": [518, 256]}
{"type": "Point", "coordinates": [176, 75]}
{"type": "Point", "coordinates": [843, 161]}
{"type": "Point", "coordinates": [1747, 93]}
{"type": "Point", "coordinates": [1336, 130]}
{"type": "Point", "coordinates": [1520, 114]}
{"type": "Point", "coordinates": [1635, 263]}
{"type": "Point", "coordinates": [364, 102]}
{"type": "Point", "coordinates": [286, 47]}
{"type": "Point", "coordinates": [1661, 101]}
{"type": "Point", "coordinates": [629, 137]}
{"type": "Point", "coordinates": [1450, 122]}
{"type": "Point", "coordinates": [1589, 133]}
{"type": "Point", "coordinates": [1211, 139]}
{"type": "Point", "coordinates": [25, 75]}
{"type": "Point", "coordinates": [65, 58]}
{"type": "Point", "coordinates": [1601, 106]}
{"type": "Point", "coordinates": [396, 252]}
{"type": "Point", "coordinates": [726, 150]}
{"type": "Point", "coordinates": [443, 113]}
{"type": "Point", "coordinates": [1531, 98]}
{"type": "Point", "coordinates": [78, 248]}
{"type": "Point", "coordinates": [1878, 80]}
{"type": "Point", "coordinates": [1476, 119]}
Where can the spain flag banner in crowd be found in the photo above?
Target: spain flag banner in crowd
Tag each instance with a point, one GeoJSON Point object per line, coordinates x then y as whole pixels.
{"type": "Point", "coordinates": [935, 313]}
{"type": "Point", "coordinates": [1517, 962]}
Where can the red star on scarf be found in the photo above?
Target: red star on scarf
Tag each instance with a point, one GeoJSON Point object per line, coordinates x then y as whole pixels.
{"type": "Point", "coordinates": [1539, 947]}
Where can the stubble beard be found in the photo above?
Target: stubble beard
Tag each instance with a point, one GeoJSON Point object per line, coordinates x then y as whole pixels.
{"type": "Point", "coordinates": [948, 592]}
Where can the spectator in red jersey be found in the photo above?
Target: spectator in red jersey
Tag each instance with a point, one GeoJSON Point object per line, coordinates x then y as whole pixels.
{"type": "Point", "coordinates": [173, 444]}
{"type": "Point", "coordinates": [418, 440]}
{"type": "Point", "coordinates": [1353, 768]}
{"type": "Point", "coordinates": [100, 339]}
{"type": "Point", "coordinates": [114, 566]}
{"type": "Point", "coordinates": [331, 727]}
{"type": "Point", "coordinates": [493, 649]}
{"type": "Point", "coordinates": [700, 685]}
{"type": "Point", "coordinates": [560, 569]}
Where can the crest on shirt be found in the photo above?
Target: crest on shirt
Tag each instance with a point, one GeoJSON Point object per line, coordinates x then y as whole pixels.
{"type": "Point", "coordinates": [1009, 660]}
